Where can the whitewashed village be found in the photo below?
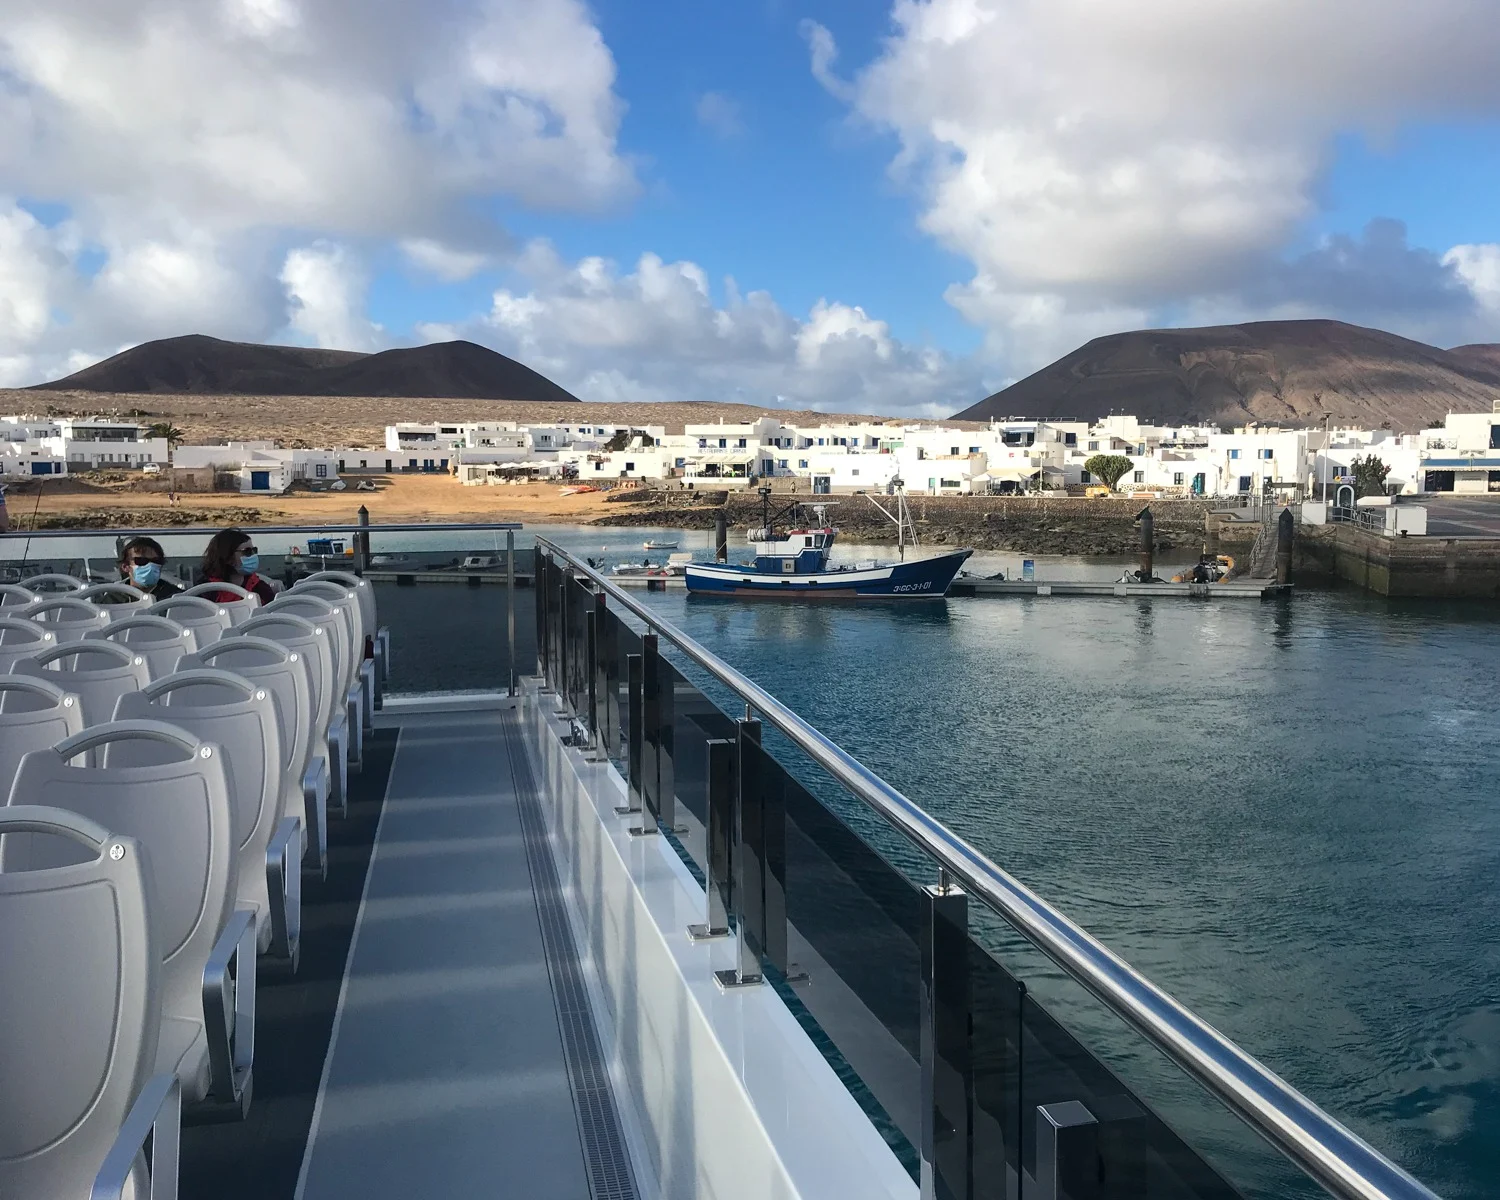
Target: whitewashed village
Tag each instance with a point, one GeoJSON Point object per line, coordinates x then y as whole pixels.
{"type": "Point", "coordinates": [1016, 456]}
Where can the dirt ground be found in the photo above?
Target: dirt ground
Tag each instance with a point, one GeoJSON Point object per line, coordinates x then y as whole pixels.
{"type": "Point", "coordinates": [396, 498]}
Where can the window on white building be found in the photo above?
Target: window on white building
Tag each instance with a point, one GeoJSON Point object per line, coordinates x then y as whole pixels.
{"type": "Point", "coordinates": [781, 463]}
{"type": "Point", "coordinates": [1176, 478]}
{"type": "Point", "coordinates": [1140, 477]}
{"type": "Point", "coordinates": [1244, 483]}
{"type": "Point", "coordinates": [1234, 454]}
{"type": "Point", "coordinates": [321, 470]}
{"type": "Point", "coordinates": [802, 462]}
{"type": "Point", "coordinates": [855, 472]}
{"type": "Point", "coordinates": [1265, 454]}
{"type": "Point", "coordinates": [953, 450]}
{"type": "Point", "coordinates": [1093, 445]}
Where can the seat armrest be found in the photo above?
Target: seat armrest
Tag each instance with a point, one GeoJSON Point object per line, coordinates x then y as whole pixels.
{"type": "Point", "coordinates": [367, 693]}
{"type": "Point", "coordinates": [156, 1114]}
{"type": "Point", "coordinates": [284, 886]}
{"type": "Point", "coordinates": [383, 654]}
{"type": "Point", "coordinates": [315, 801]}
{"type": "Point", "coordinates": [354, 712]}
{"type": "Point", "coordinates": [229, 1007]}
{"type": "Point", "coordinates": [338, 762]}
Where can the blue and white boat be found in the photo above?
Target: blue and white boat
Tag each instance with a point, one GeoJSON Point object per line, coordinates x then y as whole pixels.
{"type": "Point", "coordinates": [794, 563]}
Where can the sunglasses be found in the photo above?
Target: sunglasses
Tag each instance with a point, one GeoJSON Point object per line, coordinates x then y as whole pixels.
{"type": "Point", "coordinates": [247, 550]}
{"type": "Point", "coordinates": [142, 560]}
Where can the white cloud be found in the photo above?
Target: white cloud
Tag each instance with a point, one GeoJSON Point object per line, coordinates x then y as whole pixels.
{"type": "Point", "coordinates": [326, 288]}
{"type": "Point", "coordinates": [449, 263]}
{"type": "Point", "coordinates": [1094, 159]}
{"type": "Point", "coordinates": [192, 141]}
{"type": "Point", "coordinates": [1479, 267]}
{"type": "Point", "coordinates": [656, 333]}
{"type": "Point", "coordinates": [720, 115]}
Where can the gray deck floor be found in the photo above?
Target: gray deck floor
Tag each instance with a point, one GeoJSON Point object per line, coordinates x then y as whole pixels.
{"type": "Point", "coordinates": [446, 1076]}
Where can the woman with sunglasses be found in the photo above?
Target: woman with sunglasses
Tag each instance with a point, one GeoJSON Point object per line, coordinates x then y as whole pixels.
{"type": "Point", "coordinates": [231, 557]}
{"type": "Point", "coordinates": [141, 561]}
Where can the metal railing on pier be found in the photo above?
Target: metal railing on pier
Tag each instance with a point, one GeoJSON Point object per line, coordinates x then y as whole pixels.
{"type": "Point", "coordinates": [996, 1098]}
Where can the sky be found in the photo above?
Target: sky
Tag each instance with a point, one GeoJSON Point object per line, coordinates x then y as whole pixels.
{"type": "Point", "coordinates": [845, 205]}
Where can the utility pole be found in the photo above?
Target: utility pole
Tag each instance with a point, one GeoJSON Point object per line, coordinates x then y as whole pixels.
{"type": "Point", "coordinates": [1326, 464]}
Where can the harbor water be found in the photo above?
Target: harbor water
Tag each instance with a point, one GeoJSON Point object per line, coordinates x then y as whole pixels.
{"type": "Point", "coordinates": [1285, 813]}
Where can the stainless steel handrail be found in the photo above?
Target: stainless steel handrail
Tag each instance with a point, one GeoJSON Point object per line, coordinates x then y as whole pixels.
{"type": "Point", "coordinates": [1333, 1155]}
{"type": "Point", "coordinates": [180, 530]}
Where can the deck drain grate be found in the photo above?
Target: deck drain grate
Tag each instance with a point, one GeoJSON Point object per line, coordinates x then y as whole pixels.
{"type": "Point", "coordinates": [605, 1155]}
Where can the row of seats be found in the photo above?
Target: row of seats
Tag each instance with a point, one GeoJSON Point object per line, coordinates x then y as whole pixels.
{"type": "Point", "coordinates": [169, 767]}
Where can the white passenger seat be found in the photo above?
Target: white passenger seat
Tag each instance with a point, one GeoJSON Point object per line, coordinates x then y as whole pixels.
{"type": "Point", "coordinates": [244, 605]}
{"type": "Point", "coordinates": [80, 1015]}
{"type": "Point", "coordinates": [128, 600]}
{"type": "Point", "coordinates": [178, 807]}
{"type": "Point", "coordinates": [225, 709]}
{"type": "Point", "coordinates": [20, 638]}
{"type": "Point", "coordinates": [69, 618]}
{"type": "Point", "coordinates": [35, 714]}
{"type": "Point", "coordinates": [207, 620]}
{"type": "Point", "coordinates": [285, 673]}
{"type": "Point", "coordinates": [13, 595]}
{"type": "Point", "coordinates": [156, 639]}
{"type": "Point", "coordinates": [97, 672]}
{"type": "Point", "coordinates": [330, 724]}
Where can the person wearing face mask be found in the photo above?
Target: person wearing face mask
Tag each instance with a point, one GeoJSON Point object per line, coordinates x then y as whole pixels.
{"type": "Point", "coordinates": [231, 557]}
{"type": "Point", "coordinates": [141, 562]}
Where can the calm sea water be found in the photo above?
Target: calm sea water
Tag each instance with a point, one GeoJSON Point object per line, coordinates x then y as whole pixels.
{"type": "Point", "coordinates": [1287, 814]}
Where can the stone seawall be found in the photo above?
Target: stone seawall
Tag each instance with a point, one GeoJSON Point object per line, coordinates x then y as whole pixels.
{"type": "Point", "coordinates": [1399, 566]}
{"type": "Point", "coordinates": [1018, 524]}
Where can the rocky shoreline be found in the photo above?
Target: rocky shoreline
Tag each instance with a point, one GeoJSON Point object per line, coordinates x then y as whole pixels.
{"type": "Point", "coordinates": [1016, 524]}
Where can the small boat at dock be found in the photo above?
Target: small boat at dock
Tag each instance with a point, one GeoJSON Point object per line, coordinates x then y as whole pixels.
{"type": "Point", "coordinates": [661, 545]}
{"type": "Point", "coordinates": [795, 563]}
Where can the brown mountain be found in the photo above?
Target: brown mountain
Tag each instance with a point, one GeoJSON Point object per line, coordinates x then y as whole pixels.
{"type": "Point", "coordinates": [199, 365]}
{"type": "Point", "coordinates": [1282, 372]}
{"type": "Point", "coordinates": [1481, 354]}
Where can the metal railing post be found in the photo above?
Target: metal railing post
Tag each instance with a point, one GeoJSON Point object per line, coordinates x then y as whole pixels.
{"type": "Point", "coordinates": [717, 879]}
{"type": "Point", "coordinates": [591, 665]}
{"type": "Point", "coordinates": [539, 594]}
{"type": "Point", "coordinates": [665, 692]}
{"type": "Point", "coordinates": [747, 862]}
{"type": "Point", "coordinates": [1067, 1152]}
{"type": "Point", "coordinates": [564, 654]}
{"type": "Point", "coordinates": [947, 1063]}
{"type": "Point", "coordinates": [599, 687]}
{"type": "Point", "coordinates": [510, 604]}
{"type": "Point", "coordinates": [633, 804]}
{"type": "Point", "coordinates": [647, 793]}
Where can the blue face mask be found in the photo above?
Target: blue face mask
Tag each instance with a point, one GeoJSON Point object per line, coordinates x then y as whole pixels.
{"type": "Point", "coordinates": [145, 575]}
{"type": "Point", "coordinates": [250, 564]}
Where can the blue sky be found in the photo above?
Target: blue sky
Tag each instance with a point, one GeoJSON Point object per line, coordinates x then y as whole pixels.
{"type": "Point", "coordinates": [916, 202]}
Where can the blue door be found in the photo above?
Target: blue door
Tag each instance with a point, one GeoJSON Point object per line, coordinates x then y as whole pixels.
{"type": "Point", "coordinates": [260, 481]}
{"type": "Point", "coordinates": [41, 468]}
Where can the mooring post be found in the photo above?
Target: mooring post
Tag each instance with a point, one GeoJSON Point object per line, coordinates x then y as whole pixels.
{"type": "Point", "coordinates": [721, 535]}
{"type": "Point", "coordinates": [1285, 532]}
{"type": "Point", "coordinates": [1148, 544]}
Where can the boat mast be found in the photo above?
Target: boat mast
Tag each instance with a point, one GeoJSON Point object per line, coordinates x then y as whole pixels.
{"type": "Point", "coordinates": [906, 528]}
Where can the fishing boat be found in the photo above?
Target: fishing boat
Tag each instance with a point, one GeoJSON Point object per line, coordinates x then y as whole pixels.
{"type": "Point", "coordinates": [653, 545]}
{"type": "Point", "coordinates": [794, 562]}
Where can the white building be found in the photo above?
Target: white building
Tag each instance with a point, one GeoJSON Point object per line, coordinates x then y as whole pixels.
{"type": "Point", "coordinates": [1463, 456]}
{"type": "Point", "coordinates": [259, 466]}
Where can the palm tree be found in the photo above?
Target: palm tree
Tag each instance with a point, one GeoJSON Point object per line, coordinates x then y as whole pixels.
{"type": "Point", "coordinates": [173, 436]}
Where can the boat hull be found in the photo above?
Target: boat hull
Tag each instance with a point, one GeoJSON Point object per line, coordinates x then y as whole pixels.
{"type": "Point", "coordinates": [920, 579]}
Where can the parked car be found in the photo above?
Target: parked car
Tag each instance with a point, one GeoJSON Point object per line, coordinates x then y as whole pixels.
{"type": "Point", "coordinates": [151, 469]}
